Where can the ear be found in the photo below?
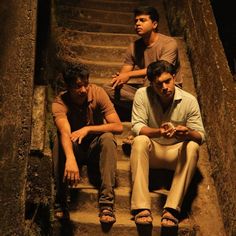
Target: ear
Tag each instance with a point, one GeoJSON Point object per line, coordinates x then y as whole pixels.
{"type": "Point", "coordinates": [155, 25]}
{"type": "Point", "coordinates": [174, 76]}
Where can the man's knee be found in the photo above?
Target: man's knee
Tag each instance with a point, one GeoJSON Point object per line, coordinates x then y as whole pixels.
{"type": "Point", "coordinates": [107, 139]}
{"type": "Point", "coordinates": [192, 151]}
{"type": "Point", "coordinates": [141, 142]}
{"type": "Point", "coordinates": [109, 90]}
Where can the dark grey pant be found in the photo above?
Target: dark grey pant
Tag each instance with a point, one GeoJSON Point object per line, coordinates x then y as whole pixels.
{"type": "Point", "coordinates": [99, 153]}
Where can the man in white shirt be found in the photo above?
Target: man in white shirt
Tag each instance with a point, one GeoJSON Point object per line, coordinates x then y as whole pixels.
{"type": "Point", "coordinates": [169, 129]}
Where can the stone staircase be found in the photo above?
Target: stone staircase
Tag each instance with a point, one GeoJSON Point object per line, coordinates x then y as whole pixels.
{"type": "Point", "coordinates": [96, 33]}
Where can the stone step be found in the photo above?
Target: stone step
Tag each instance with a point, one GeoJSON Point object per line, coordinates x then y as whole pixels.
{"type": "Point", "coordinates": [126, 131]}
{"type": "Point", "coordinates": [87, 223]}
{"type": "Point", "coordinates": [94, 15]}
{"type": "Point", "coordinates": [87, 199]}
{"type": "Point", "coordinates": [96, 26]}
{"type": "Point", "coordinates": [115, 6]}
{"type": "Point", "coordinates": [123, 174]}
{"type": "Point", "coordinates": [123, 7]}
{"type": "Point", "coordinates": [160, 180]}
{"type": "Point", "coordinates": [102, 69]}
{"type": "Point", "coordinates": [94, 52]}
{"type": "Point", "coordinates": [112, 53]}
{"type": "Point", "coordinates": [92, 38]}
{"type": "Point", "coordinates": [101, 81]}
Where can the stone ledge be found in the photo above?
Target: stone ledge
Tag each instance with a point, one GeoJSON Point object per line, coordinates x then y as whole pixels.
{"type": "Point", "coordinates": [38, 120]}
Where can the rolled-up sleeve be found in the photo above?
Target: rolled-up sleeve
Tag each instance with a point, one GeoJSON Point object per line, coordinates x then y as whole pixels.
{"type": "Point", "coordinates": [139, 111]}
{"type": "Point", "coordinates": [194, 120]}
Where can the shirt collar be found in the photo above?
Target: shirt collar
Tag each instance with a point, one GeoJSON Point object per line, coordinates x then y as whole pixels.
{"type": "Point", "coordinates": [178, 94]}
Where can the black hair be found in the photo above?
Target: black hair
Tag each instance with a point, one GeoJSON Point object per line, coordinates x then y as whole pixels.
{"type": "Point", "coordinates": [155, 69]}
{"type": "Point", "coordinates": [147, 10]}
{"type": "Point", "coordinates": [72, 72]}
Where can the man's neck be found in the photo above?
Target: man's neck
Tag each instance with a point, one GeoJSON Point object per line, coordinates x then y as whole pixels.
{"type": "Point", "coordinates": [166, 103]}
{"type": "Point", "coordinates": [151, 38]}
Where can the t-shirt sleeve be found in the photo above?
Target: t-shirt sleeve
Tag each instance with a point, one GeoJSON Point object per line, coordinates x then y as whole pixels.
{"type": "Point", "coordinates": [59, 109]}
{"type": "Point", "coordinates": [104, 102]}
{"type": "Point", "coordinates": [129, 55]}
{"type": "Point", "coordinates": [170, 51]}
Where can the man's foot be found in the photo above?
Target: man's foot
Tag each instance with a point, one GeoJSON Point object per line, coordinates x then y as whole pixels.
{"type": "Point", "coordinates": [169, 219]}
{"type": "Point", "coordinates": [143, 217]}
{"type": "Point", "coordinates": [107, 215]}
{"type": "Point", "coordinates": [61, 213]}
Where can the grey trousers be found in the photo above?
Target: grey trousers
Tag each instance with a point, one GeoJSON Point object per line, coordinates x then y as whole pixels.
{"type": "Point", "coordinates": [122, 99]}
{"type": "Point", "coordinates": [147, 153]}
{"type": "Point", "coordinates": [99, 153]}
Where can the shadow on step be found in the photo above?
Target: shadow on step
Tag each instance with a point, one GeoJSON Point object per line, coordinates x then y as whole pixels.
{"type": "Point", "coordinates": [144, 230]}
{"type": "Point", "coordinates": [63, 227]}
{"type": "Point", "coordinates": [166, 177]}
{"type": "Point", "coordinates": [106, 227]}
{"type": "Point", "coordinates": [171, 231]}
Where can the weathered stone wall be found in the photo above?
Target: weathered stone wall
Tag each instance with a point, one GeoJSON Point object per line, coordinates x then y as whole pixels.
{"type": "Point", "coordinates": [216, 93]}
{"type": "Point", "coordinates": [17, 49]}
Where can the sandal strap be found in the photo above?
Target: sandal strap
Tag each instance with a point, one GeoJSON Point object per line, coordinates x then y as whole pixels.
{"type": "Point", "coordinates": [106, 211]}
{"type": "Point", "coordinates": [142, 214]}
{"type": "Point", "coordinates": [109, 208]}
{"type": "Point", "coordinates": [172, 215]}
{"type": "Point", "coordinates": [173, 219]}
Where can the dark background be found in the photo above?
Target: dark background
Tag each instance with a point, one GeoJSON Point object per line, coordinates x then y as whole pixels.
{"type": "Point", "coordinates": [225, 15]}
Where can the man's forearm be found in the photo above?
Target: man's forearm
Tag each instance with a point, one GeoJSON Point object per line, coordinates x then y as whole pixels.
{"type": "Point", "coordinates": [111, 127]}
{"type": "Point", "coordinates": [150, 132]}
{"type": "Point", "coordinates": [194, 136]}
{"type": "Point", "coordinates": [67, 146]}
{"type": "Point", "coordinates": [137, 73]}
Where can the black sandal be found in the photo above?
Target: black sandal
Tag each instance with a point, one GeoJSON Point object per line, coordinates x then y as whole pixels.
{"type": "Point", "coordinates": [107, 211]}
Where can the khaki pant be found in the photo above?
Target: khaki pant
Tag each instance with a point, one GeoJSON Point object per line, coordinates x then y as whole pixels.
{"type": "Point", "coordinates": [146, 153]}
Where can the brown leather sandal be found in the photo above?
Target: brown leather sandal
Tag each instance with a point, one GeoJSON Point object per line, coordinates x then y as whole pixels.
{"type": "Point", "coordinates": [144, 214]}
{"type": "Point", "coordinates": [167, 215]}
{"type": "Point", "coordinates": [104, 212]}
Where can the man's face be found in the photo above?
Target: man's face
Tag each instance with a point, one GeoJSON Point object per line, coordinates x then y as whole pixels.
{"type": "Point", "coordinates": [79, 91]}
{"type": "Point", "coordinates": [144, 25]}
{"type": "Point", "coordinates": [164, 86]}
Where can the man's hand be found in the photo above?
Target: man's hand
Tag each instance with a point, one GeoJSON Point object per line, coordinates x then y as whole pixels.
{"type": "Point", "coordinates": [167, 130]}
{"type": "Point", "coordinates": [181, 132]}
{"type": "Point", "coordinates": [71, 173]}
{"type": "Point", "coordinates": [79, 134]}
{"type": "Point", "coordinates": [119, 79]}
